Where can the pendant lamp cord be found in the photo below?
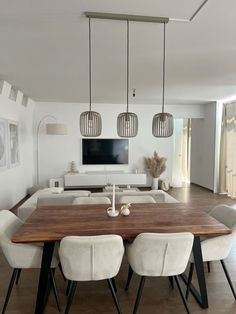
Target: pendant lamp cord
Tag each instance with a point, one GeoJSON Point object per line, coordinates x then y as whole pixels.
{"type": "Point", "coordinates": [164, 68]}
{"type": "Point", "coordinates": [127, 67]}
{"type": "Point", "coordinates": [90, 67]}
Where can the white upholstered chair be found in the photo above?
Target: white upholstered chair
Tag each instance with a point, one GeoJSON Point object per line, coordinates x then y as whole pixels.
{"type": "Point", "coordinates": [218, 248]}
{"type": "Point", "coordinates": [91, 200]}
{"type": "Point", "coordinates": [158, 254]}
{"type": "Point", "coordinates": [136, 199]}
{"type": "Point", "coordinates": [91, 258]}
{"type": "Point", "coordinates": [20, 256]}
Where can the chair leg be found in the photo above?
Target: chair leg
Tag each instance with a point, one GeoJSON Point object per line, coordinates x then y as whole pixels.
{"type": "Point", "coordinates": [228, 277]}
{"type": "Point", "coordinates": [130, 274]}
{"type": "Point", "coordinates": [190, 276]}
{"type": "Point", "coordinates": [61, 271]}
{"type": "Point", "coordinates": [114, 284]}
{"type": "Point", "coordinates": [18, 276]}
{"type": "Point", "coordinates": [71, 296]}
{"type": "Point", "coordinates": [110, 284]}
{"type": "Point", "coordinates": [209, 267]}
{"type": "Point", "coordinates": [181, 294]}
{"type": "Point", "coordinates": [68, 288]}
{"type": "Point", "coordinates": [139, 294]}
{"type": "Point", "coordinates": [54, 288]}
{"type": "Point", "coordinates": [171, 281]}
{"type": "Point", "coordinates": [12, 281]}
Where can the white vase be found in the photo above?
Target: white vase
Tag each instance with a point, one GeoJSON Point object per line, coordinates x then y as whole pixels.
{"type": "Point", "coordinates": [154, 183]}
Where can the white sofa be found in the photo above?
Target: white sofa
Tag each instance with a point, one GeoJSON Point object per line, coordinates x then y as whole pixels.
{"type": "Point", "coordinates": [158, 195]}
{"type": "Point", "coordinates": [49, 197]}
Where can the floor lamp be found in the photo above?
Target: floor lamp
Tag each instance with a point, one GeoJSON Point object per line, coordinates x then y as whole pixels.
{"type": "Point", "coordinates": [51, 129]}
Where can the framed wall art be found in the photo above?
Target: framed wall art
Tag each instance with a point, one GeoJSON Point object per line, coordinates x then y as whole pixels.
{"type": "Point", "coordinates": [14, 153]}
{"type": "Point", "coordinates": [3, 144]}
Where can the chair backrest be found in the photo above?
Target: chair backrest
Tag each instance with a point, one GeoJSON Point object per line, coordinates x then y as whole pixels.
{"type": "Point", "coordinates": [9, 223]}
{"type": "Point", "coordinates": [91, 200]}
{"type": "Point", "coordinates": [78, 193]}
{"type": "Point", "coordinates": [218, 248]}
{"type": "Point", "coordinates": [226, 215]}
{"type": "Point", "coordinates": [136, 199]}
{"type": "Point", "coordinates": [160, 254]}
{"type": "Point", "coordinates": [91, 257]}
{"type": "Point", "coordinates": [54, 200]}
{"type": "Point", "coordinates": [19, 255]}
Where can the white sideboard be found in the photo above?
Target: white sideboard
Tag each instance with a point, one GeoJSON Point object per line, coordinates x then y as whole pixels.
{"type": "Point", "coordinates": [102, 179]}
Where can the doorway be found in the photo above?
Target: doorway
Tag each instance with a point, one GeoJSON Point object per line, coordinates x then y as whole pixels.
{"type": "Point", "coordinates": [181, 153]}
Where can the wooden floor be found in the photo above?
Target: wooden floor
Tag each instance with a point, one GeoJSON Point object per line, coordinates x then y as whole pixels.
{"type": "Point", "coordinates": [158, 296]}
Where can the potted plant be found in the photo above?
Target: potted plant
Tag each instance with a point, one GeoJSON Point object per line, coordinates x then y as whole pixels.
{"type": "Point", "coordinates": [156, 166]}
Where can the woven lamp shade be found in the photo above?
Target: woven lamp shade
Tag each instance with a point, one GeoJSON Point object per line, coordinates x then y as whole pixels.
{"type": "Point", "coordinates": [127, 124]}
{"type": "Point", "coordinates": [162, 125]}
{"type": "Point", "coordinates": [90, 124]}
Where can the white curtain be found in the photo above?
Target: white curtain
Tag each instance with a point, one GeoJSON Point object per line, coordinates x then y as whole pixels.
{"type": "Point", "coordinates": [228, 150]}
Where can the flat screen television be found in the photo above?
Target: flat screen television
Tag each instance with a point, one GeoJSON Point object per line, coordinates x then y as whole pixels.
{"type": "Point", "coordinates": [105, 151]}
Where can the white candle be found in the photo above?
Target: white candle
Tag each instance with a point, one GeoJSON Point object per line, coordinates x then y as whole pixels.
{"type": "Point", "coordinates": [113, 199]}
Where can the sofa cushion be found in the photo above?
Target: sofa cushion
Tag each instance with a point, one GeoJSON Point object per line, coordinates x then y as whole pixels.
{"type": "Point", "coordinates": [60, 199]}
{"type": "Point", "coordinates": [77, 193]}
{"type": "Point", "coordinates": [137, 199]}
{"type": "Point", "coordinates": [91, 200]}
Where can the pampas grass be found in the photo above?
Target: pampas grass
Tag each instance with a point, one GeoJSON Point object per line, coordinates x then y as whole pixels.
{"type": "Point", "coordinates": [155, 164]}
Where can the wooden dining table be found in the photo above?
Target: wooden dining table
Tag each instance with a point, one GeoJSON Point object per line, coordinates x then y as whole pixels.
{"type": "Point", "coordinates": [50, 224]}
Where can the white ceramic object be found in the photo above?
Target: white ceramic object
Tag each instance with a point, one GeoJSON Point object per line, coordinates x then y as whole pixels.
{"type": "Point", "coordinates": [154, 183]}
{"type": "Point", "coordinates": [125, 209]}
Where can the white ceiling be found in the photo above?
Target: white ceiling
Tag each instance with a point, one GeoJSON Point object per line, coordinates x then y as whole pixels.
{"type": "Point", "coordinates": [44, 50]}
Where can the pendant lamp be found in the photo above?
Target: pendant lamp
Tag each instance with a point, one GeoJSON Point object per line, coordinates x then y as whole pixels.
{"type": "Point", "coordinates": [90, 121]}
{"type": "Point", "coordinates": [127, 122]}
{"type": "Point", "coordinates": [163, 123]}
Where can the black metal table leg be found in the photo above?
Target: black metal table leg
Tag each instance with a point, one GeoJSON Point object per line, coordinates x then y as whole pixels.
{"type": "Point", "coordinates": [201, 295]}
{"type": "Point", "coordinates": [44, 277]}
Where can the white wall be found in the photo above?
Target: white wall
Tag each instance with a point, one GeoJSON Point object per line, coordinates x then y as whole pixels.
{"type": "Point", "coordinates": [219, 112]}
{"type": "Point", "coordinates": [56, 152]}
{"type": "Point", "coordinates": [15, 181]}
{"type": "Point", "coordinates": [203, 148]}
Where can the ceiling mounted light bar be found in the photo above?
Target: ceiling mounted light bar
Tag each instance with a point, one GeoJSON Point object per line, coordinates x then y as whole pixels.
{"type": "Point", "coordinates": [125, 17]}
{"type": "Point", "coordinates": [172, 19]}
{"type": "Point", "coordinates": [141, 18]}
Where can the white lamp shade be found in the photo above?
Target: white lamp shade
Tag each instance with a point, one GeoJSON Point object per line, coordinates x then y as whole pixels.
{"type": "Point", "coordinates": [56, 129]}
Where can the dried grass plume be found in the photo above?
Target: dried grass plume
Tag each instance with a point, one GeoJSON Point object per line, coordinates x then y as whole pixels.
{"type": "Point", "coordinates": [155, 164]}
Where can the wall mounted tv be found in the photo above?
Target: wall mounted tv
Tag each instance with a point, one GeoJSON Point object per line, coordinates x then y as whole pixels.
{"type": "Point", "coordinates": [105, 151]}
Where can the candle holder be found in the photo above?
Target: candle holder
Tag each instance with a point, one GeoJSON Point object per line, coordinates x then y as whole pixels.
{"type": "Point", "coordinates": [112, 212]}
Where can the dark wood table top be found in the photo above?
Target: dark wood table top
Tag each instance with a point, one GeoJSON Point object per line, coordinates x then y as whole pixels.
{"type": "Point", "coordinates": [52, 223]}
